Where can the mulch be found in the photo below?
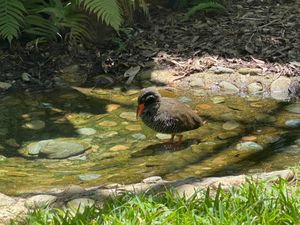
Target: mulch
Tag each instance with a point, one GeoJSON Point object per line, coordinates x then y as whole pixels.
{"type": "Point", "coordinates": [250, 33]}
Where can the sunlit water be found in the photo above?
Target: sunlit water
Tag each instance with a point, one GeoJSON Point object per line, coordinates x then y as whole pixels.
{"type": "Point", "coordinates": [123, 150]}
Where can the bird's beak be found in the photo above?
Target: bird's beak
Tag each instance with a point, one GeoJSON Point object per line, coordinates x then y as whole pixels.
{"type": "Point", "coordinates": [139, 110]}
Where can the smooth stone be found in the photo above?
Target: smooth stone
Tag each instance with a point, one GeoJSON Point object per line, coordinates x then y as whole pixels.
{"type": "Point", "coordinates": [227, 116]}
{"type": "Point", "coordinates": [249, 138]}
{"type": "Point", "coordinates": [35, 125]}
{"type": "Point", "coordinates": [152, 180]}
{"type": "Point", "coordinates": [79, 204]}
{"type": "Point", "coordinates": [255, 88]}
{"type": "Point", "coordinates": [221, 69]}
{"type": "Point", "coordinates": [108, 123]}
{"type": "Point", "coordinates": [184, 99]}
{"type": "Point", "coordinates": [78, 157]}
{"type": "Point", "coordinates": [293, 123]}
{"type": "Point", "coordinates": [118, 148]}
{"type": "Point", "coordinates": [230, 125]}
{"type": "Point", "coordinates": [218, 99]}
{"type": "Point", "coordinates": [112, 107]}
{"type": "Point", "coordinates": [294, 108]}
{"type": "Point", "coordinates": [6, 200]}
{"type": "Point", "coordinates": [280, 88]}
{"type": "Point", "coordinates": [227, 135]}
{"type": "Point", "coordinates": [228, 87]}
{"type": "Point", "coordinates": [108, 134]}
{"type": "Point", "coordinates": [131, 116]}
{"type": "Point", "coordinates": [54, 149]}
{"type": "Point", "coordinates": [251, 71]}
{"type": "Point", "coordinates": [162, 136]}
{"type": "Point", "coordinates": [139, 136]}
{"type": "Point", "coordinates": [5, 86]}
{"type": "Point", "coordinates": [186, 190]}
{"type": "Point", "coordinates": [265, 118]}
{"type": "Point", "coordinates": [133, 127]}
{"type": "Point", "coordinates": [12, 142]}
{"type": "Point", "coordinates": [38, 201]}
{"type": "Point", "coordinates": [86, 131]}
{"type": "Point", "coordinates": [157, 76]}
{"type": "Point", "coordinates": [89, 176]}
{"type": "Point", "coordinates": [249, 145]}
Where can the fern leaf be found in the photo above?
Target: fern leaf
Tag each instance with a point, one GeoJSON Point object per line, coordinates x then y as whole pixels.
{"type": "Point", "coordinates": [11, 18]}
{"type": "Point", "coordinates": [107, 10]}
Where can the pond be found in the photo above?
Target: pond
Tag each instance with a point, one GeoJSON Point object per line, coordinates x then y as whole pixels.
{"type": "Point", "coordinates": [91, 137]}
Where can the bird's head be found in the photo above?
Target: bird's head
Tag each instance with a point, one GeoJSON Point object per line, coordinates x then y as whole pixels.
{"type": "Point", "coordinates": [148, 96]}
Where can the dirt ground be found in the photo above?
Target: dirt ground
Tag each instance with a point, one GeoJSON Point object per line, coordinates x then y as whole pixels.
{"type": "Point", "coordinates": [251, 33]}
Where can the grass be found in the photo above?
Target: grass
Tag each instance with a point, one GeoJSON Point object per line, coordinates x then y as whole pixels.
{"type": "Point", "coordinates": [255, 202]}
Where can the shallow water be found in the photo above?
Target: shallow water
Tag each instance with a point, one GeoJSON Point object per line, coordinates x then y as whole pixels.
{"type": "Point", "coordinates": [123, 150]}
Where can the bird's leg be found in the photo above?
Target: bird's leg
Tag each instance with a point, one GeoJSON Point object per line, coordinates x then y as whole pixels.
{"type": "Point", "coordinates": [180, 136]}
{"type": "Point", "coordinates": [171, 140]}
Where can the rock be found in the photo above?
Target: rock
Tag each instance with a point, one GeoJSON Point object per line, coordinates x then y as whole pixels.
{"type": "Point", "coordinates": [249, 145]}
{"type": "Point", "coordinates": [251, 71]}
{"type": "Point", "coordinates": [152, 180]}
{"type": "Point", "coordinates": [108, 134]}
{"type": "Point", "coordinates": [227, 135]}
{"type": "Point", "coordinates": [79, 204]}
{"type": "Point", "coordinates": [35, 125]}
{"type": "Point", "coordinates": [265, 118]}
{"type": "Point", "coordinates": [157, 76]}
{"type": "Point", "coordinates": [186, 190]}
{"type": "Point", "coordinates": [196, 82]}
{"type": "Point", "coordinates": [118, 148]}
{"type": "Point", "coordinates": [12, 142]}
{"type": "Point", "coordinates": [6, 200]}
{"type": "Point", "coordinates": [112, 107]}
{"type": "Point", "coordinates": [131, 116]}
{"type": "Point", "coordinates": [139, 136]}
{"type": "Point", "coordinates": [107, 123]}
{"type": "Point", "coordinates": [72, 75]}
{"type": "Point", "coordinates": [162, 136]}
{"type": "Point", "coordinates": [228, 87]}
{"type": "Point", "coordinates": [280, 88]}
{"type": "Point", "coordinates": [104, 80]}
{"type": "Point", "coordinates": [4, 86]}
{"type": "Point", "coordinates": [55, 149]}
{"type": "Point", "coordinates": [221, 69]}
{"type": "Point", "coordinates": [249, 138]}
{"type": "Point", "coordinates": [230, 125]}
{"type": "Point", "coordinates": [26, 76]}
{"type": "Point", "coordinates": [218, 99]}
{"type": "Point", "coordinates": [89, 176]}
{"type": "Point", "coordinates": [133, 127]}
{"type": "Point", "coordinates": [255, 88]}
{"type": "Point", "coordinates": [38, 201]}
{"type": "Point", "coordinates": [293, 108]}
{"type": "Point", "coordinates": [184, 99]}
{"type": "Point", "coordinates": [293, 123]}
{"type": "Point", "coordinates": [86, 131]}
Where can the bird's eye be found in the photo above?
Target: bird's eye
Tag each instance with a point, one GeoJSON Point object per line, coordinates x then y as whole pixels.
{"type": "Point", "coordinates": [149, 99]}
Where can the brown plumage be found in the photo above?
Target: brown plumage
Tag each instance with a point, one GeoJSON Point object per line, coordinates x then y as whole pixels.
{"type": "Point", "coordinates": [166, 115]}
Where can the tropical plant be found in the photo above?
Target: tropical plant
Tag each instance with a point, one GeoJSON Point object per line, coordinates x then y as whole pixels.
{"type": "Point", "coordinates": [50, 19]}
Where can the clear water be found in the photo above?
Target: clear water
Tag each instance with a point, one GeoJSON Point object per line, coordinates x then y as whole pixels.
{"type": "Point", "coordinates": [116, 154]}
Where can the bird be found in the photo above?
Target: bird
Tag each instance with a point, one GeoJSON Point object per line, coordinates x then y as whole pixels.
{"type": "Point", "coordinates": [166, 115]}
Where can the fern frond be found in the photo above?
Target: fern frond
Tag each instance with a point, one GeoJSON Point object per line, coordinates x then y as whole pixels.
{"type": "Point", "coordinates": [107, 10]}
{"type": "Point", "coordinates": [11, 18]}
{"type": "Point", "coordinates": [204, 6]}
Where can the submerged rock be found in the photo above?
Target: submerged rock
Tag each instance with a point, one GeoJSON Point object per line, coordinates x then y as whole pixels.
{"type": "Point", "coordinates": [86, 131]}
{"type": "Point", "coordinates": [57, 149]}
{"type": "Point", "coordinates": [139, 136]}
{"type": "Point", "coordinates": [89, 176]}
{"type": "Point", "coordinates": [134, 127]}
{"type": "Point", "coordinates": [184, 99]}
{"type": "Point", "coordinates": [108, 123]}
{"type": "Point", "coordinates": [35, 125]}
{"type": "Point", "coordinates": [118, 148]}
{"type": "Point", "coordinates": [293, 123]}
{"type": "Point", "coordinates": [108, 134]}
{"type": "Point", "coordinates": [162, 136]}
{"type": "Point", "coordinates": [112, 107]}
{"type": "Point", "coordinates": [228, 87]}
{"type": "Point", "coordinates": [230, 125]}
{"type": "Point", "coordinates": [131, 116]}
{"type": "Point", "coordinates": [293, 108]}
{"type": "Point", "coordinates": [249, 145]}
{"type": "Point", "coordinates": [218, 99]}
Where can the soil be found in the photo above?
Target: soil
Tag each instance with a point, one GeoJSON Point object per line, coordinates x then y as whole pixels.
{"type": "Point", "coordinates": [250, 33]}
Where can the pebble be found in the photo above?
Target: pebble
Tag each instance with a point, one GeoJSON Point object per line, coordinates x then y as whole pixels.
{"type": "Point", "coordinates": [118, 148]}
{"type": "Point", "coordinates": [230, 125]}
{"type": "Point", "coordinates": [139, 136]}
{"type": "Point", "coordinates": [86, 131]}
{"type": "Point", "coordinates": [162, 136]}
{"type": "Point", "coordinates": [107, 123]}
{"type": "Point", "coordinates": [255, 88]}
{"type": "Point", "coordinates": [249, 145]}
{"type": "Point", "coordinates": [294, 108]}
{"type": "Point", "coordinates": [131, 116]}
{"type": "Point", "coordinates": [221, 69]}
{"type": "Point", "coordinates": [249, 138]}
{"type": "Point", "coordinates": [89, 176]}
{"type": "Point", "coordinates": [133, 127]}
{"type": "Point", "coordinates": [35, 125]}
{"type": "Point", "coordinates": [184, 99]}
{"type": "Point", "coordinates": [228, 87]}
{"type": "Point", "coordinates": [112, 107]}
{"type": "Point", "coordinates": [108, 134]}
{"type": "Point", "coordinates": [218, 99]}
{"type": "Point", "coordinates": [293, 123]}
{"type": "Point", "coordinates": [251, 71]}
